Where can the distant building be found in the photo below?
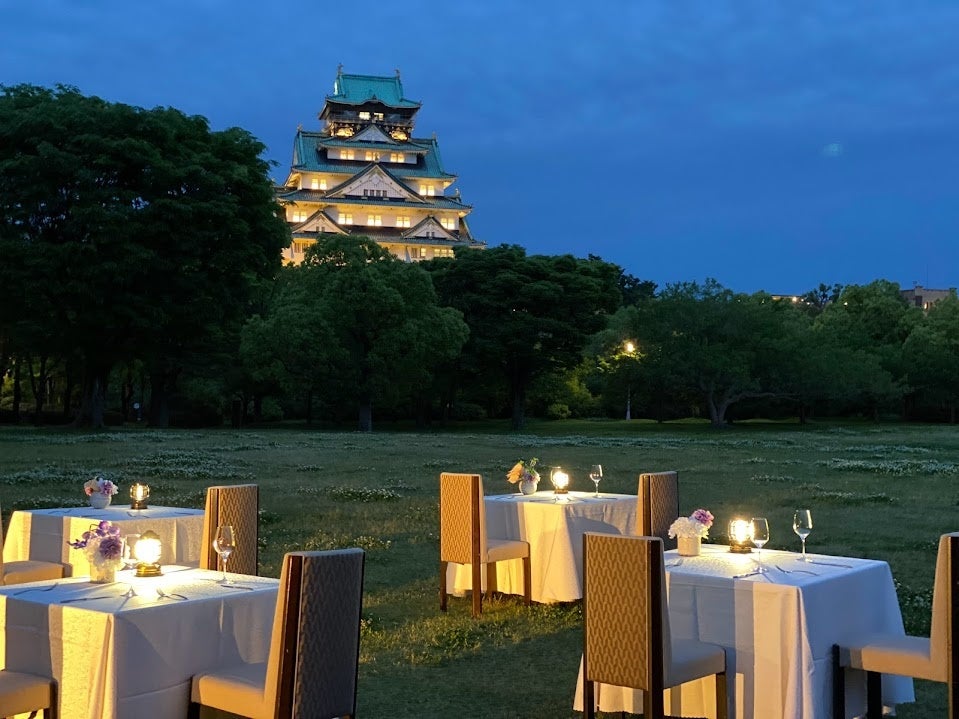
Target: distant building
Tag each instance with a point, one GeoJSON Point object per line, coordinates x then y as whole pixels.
{"type": "Point", "coordinates": [364, 173]}
{"type": "Point", "coordinates": [924, 298]}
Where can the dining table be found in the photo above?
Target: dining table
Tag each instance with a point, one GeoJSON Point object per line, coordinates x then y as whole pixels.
{"type": "Point", "coordinates": [553, 525]}
{"type": "Point", "coordinates": [778, 628]}
{"type": "Point", "coordinates": [44, 534]}
{"type": "Point", "coordinates": [129, 649]}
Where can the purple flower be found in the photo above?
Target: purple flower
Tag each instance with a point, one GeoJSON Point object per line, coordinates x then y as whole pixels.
{"type": "Point", "coordinates": [111, 547]}
{"type": "Point", "coordinates": [704, 517]}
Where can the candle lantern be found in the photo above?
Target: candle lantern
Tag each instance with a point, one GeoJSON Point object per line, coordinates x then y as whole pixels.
{"type": "Point", "coordinates": [560, 480]}
{"type": "Point", "coordinates": [148, 549]}
{"type": "Point", "coordinates": [740, 536]}
{"type": "Point", "coordinates": [139, 494]}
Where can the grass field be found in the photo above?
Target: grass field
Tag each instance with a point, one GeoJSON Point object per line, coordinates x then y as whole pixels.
{"type": "Point", "coordinates": [879, 491]}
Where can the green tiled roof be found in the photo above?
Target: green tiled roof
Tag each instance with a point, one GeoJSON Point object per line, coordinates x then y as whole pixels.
{"type": "Point", "coordinates": [440, 202]}
{"type": "Point", "coordinates": [309, 155]}
{"type": "Point", "coordinates": [358, 89]}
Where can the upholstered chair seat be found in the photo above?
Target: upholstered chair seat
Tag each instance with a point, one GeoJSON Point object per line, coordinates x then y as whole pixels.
{"type": "Point", "coordinates": [932, 658]}
{"type": "Point", "coordinates": [626, 636]}
{"type": "Point", "coordinates": [28, 570]}
{"type": "Point", "coordinates": [463, 538]}
{"type": "Point", "coordinates": [311, 669]}
{"type": "Point", "coordinates": [26, 693]}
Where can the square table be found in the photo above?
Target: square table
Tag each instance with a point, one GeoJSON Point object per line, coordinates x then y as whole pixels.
{"type": "Point", "coordinates": [777, 629]}
{"type": "Point", "coordinates": [132, 657]}
{"type": "Point", "coordinates": [553, 525]}
{"type": "Point", "coordinates": [43, 534]}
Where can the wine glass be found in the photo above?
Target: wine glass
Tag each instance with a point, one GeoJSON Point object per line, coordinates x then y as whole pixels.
{"type": "Point", "coordinates": [760, 537]}
{"type": "Point", "coordinates": [224, 544]}
{"type": "Point", "coordinates": [128, 557]}
{"type": "Point", "coordinates": [596, 474]}
{"type": "Point", "coordinates": [802, 525]}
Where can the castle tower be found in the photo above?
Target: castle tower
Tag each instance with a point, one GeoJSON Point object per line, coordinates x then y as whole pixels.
{"type": "Point", "coordinates": [365, 173]}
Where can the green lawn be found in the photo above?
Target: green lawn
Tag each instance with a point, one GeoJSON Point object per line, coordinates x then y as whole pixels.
{"type": "Point", "coordinates": [879, 491]}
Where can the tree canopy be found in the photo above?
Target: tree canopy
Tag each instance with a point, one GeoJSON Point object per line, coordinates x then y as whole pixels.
{"type": "Point", "coordinates": [126, 233]}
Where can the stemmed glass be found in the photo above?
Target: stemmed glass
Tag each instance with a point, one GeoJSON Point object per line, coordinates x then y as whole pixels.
{"type": "Point", "coordinates": [802, 525]}
{"type": "Point", "coordinates": [224, 544]}
{"type": "Point", "coordinates": [596, 474]}
{"type": "Point", "coordinates": [128, 557]}
{"type": "Point", "coordinates": [760, 537]}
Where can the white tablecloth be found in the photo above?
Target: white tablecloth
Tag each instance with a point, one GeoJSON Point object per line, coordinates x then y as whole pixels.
{"type": "Point", "coordinates": [777, 629]}
{"type": "Point", "coordinates": [131, 658]}
{"type": "Point", "coordinates": [43, 533]}
{"type": "Point", "coordinates": [554, 531]}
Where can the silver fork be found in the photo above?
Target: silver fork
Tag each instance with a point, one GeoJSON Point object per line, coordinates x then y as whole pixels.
{"type": "Point", "coordinates": [168, 595]}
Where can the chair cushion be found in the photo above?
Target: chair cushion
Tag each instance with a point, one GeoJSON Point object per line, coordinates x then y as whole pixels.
{"type": "Point", "coordinates": [890, 654]}
{"type": "Point", "coordinates": [238, 689]}
{"type": "Point", "coordinates": [692, 660]}
{"type": "Point", "coordinates": [30, 570]}
{"type": "Point", "coordinates": [22, 693]}
{"type": "Point", "coordinates": [499, 549]}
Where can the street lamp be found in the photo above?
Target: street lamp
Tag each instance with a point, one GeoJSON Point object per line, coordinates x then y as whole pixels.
{"type": "Point", "coordinates": [630, 349]}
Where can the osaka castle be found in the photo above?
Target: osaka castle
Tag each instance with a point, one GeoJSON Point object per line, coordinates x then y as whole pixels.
{"type": "Point", "coordinates": [364, 172]}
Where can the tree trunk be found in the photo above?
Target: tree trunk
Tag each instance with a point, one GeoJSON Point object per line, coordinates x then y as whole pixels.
{"type": "Point", "coordinates": [519, 408]}
{"type": "Point", "coordinates": [94, 399]}
{"type": "Point", "coordinates": [38, 383]}
{"type": "Point", "coordinates": [17, 395]}
{"type": "Point", "coordinates": [366, 414]}
{"type": "Point", "coordinates": [159, 412]}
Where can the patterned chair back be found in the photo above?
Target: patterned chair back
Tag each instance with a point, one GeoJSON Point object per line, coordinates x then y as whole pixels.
{"type": "Point", "coordinates": [944, 633]}
{"type": "Point", "coordinates": [238, 505]}
{"type": "Point", "coordinates": [658, 499]}
{"type": "Point", "coordinates": [462, 518]}
{"type": "Point", "coordinates": [315, 645]}
{"type": "Point", "coordinates": [626, 639]}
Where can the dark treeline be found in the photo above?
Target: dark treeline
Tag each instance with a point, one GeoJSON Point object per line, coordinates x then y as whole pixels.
{"type": "Point", "coordinates": [140, 280]}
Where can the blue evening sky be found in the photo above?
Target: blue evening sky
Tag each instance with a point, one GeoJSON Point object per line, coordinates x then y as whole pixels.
{"type": "Point", "coordinates": [768, 144]}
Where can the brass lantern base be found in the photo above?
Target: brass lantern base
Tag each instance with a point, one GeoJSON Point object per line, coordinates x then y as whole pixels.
{"type": "Point", "coordinates": [740, 549]}
{"type": "Point", "coordinates": [138, 504]}
{"type": "Point", "coordinates": [560, 491]}
{"type": "Point", "coordinates": [148, 570]}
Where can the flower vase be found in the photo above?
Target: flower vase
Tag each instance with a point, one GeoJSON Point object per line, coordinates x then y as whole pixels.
{"type": "Point", "coordinates": [98, 500]}
{"type": "Point", "coordinates": [688, 546]}
{"type": "Point", "coordinates": [528, 486]}
{"type": "Point", "coordinates": [102, 574]}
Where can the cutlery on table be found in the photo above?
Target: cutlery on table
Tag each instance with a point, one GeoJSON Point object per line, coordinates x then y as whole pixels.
{"type": "Point", "coordinates": [87, 599]}
{"type": "Point", "coordinates": [34, 589]}
{"type": "Point", "coordinates": [675, 563]}
{"type": "Point", "coordinates": [795, 571]}
{"type": "Point", "coordinates": [234, 586]}
{"type": "Point", "coordinates": [830, 564]}
{"type": "Point", "coordinates": [162, 594]}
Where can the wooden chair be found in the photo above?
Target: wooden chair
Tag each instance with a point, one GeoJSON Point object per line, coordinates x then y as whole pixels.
{"type": "Point", "coordinates": [626, 637]}
{"type": "Point", "coordinates": [239, 506]}
{"type": "Point", "coordinates": [658, 505]}
{"type": "Point", "coordinates": [935, 658]}
{"type": "Point", "coordinates": [314, 648]}
{"type": "Point", "coordinates": [27, 693]}
{"type": "Point", "coordinates": [463, 538]}
{"type": "Point", "coordinates": [28, 570]}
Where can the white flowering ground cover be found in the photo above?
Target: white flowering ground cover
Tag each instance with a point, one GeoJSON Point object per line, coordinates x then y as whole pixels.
{"type": "Point", "coordinates": [880, 491]}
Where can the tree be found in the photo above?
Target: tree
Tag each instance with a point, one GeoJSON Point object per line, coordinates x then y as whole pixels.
{"type": "Point", "coordinates": [128, 232]}
{"type": "Point", "coordinates": [931, 352]}
{"type": "Point", "coordinates": [527, 315]}
{"type": "Point", "coordinates": [871, 322]}
{"type": "Point", "coordinates": [367, 323]}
